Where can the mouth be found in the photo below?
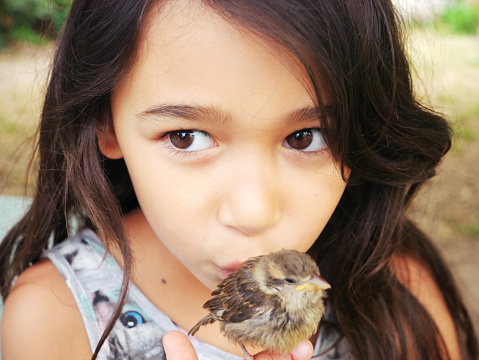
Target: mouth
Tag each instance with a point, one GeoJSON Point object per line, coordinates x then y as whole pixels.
{"type": "Point", "coordinates": [229, 269]}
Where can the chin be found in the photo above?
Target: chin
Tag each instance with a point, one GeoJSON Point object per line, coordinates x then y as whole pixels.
{"type": "Point", "coordinates": [211, 282]}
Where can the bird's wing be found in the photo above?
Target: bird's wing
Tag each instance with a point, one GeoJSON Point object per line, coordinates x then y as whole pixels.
{"type": "Point", "coordinates": [242, 306]}
{"type": "Point", "coordinates": [237, 298]}
{"type": "Point", "coordinates": [236, 308]}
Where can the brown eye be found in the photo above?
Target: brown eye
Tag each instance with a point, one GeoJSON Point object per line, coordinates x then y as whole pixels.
{"type": "Point", "coordinates": [181, 139]}
{"type": "Point", "coordinates": [300, 139]}
{"type": "Point", "coordinates": [190, 140]}
{"type": "Point", "coordinates": [305, 140]}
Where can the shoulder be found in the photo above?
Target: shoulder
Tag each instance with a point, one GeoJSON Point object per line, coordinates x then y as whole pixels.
{"type": "Point", "coordinates": [417, 277]}
{"type": "Point", "coordinates": [41, 320]}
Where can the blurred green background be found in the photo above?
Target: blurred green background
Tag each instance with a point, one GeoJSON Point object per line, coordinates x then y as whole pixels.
{"type": "Point", "coordinates": [443, 43]}
{"type": "Point", "coordinates": [33, 21]}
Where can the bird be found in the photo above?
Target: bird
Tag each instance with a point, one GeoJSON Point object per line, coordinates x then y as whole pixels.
{"type": "Point", "coordinates": [271, 301]}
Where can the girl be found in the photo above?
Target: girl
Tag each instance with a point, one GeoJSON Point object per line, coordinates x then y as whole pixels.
{"type": "Point", "coordinates": [179, 138]}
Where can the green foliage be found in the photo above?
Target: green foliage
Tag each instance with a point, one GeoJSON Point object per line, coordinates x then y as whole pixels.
{"type": "Point", "coordinates": [465, 133]}
{"type": "Point", "coordinates": [26, 34]}
{"type": "Point", "coordinates": [461, 18]}
{"type": "Point", "coordinates": [34, 21]}
{"type": "Point", "coordinates": [471, 228]}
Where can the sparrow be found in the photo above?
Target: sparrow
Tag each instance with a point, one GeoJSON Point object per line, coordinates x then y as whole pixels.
{"type": "Point", "coordinates": [272, 302]}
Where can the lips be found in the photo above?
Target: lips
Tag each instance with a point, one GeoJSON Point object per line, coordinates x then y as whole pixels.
{"type": "Point", "coordinates": [228, 269]}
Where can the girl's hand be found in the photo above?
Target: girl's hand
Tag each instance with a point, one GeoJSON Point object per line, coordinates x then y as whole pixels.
{"type": "Point", "coordinates": [178, 347]}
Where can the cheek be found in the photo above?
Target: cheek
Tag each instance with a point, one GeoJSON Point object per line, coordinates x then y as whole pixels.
{"type": "Point", "coordinates": [166, 204]}
{"type": "Point", "coordinates": [172, 201]}
{"type": "Point", "coordinates": [315, 205]}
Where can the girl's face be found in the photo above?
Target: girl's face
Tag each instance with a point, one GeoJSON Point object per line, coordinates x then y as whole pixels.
{"type": "Point", "coordinates": [222, 144]}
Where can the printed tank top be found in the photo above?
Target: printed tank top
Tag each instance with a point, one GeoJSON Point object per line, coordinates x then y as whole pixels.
{"type": "Point", "coordinates": [95, 279]}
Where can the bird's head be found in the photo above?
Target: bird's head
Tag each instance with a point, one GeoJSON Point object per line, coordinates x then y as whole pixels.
{"type": "Point", "coordinates": [291, 275]}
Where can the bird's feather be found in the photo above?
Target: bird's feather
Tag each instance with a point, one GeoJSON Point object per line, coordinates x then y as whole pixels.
{"type": "Point", "coordinates": [208, 319]}
{"type": "Point", "coordinates": [265, 302]}
{"type": "Point", "coordinates": [236, 300]}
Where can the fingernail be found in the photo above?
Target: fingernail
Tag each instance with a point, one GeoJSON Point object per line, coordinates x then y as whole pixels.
{"type": "Point", "coordinates": [303, 351]}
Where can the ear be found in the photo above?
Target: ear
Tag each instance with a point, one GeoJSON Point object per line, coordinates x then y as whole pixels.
{"type": "Point", "coordinates": [107, 141]}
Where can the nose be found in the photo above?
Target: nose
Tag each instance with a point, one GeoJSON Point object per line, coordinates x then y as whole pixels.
{"type": "Point", "coordinates": [251, 203]}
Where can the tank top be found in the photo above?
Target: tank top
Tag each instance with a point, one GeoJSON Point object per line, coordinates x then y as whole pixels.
{"type": "Point", "coordinates": [94, 278]}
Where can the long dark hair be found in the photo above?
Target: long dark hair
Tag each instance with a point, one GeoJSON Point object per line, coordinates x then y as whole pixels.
{"type": "Point", "coordinates": [371, 121]}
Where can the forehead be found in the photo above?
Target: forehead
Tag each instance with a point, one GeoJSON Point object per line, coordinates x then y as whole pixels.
{"type": "Point", "coordinates": [188, 51]}
{"type": "Point", "coordinates": [180, 23]}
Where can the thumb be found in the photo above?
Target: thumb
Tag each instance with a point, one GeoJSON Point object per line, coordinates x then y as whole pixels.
{"type": "Point", "coordinates": [178, 347]}
{"type": "Point", "coordinates": [304, 351]}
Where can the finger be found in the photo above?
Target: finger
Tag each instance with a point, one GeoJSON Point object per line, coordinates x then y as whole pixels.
{"type": "Point", "coordinates": [178, 347]}
{"type": "Point", "coordinates": [304, 351]}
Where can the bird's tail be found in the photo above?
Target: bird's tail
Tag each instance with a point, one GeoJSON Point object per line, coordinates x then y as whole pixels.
{"type": "Point", "coordinates": [208, 319]}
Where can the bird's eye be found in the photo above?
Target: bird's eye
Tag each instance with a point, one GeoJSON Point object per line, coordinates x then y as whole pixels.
{"type": "Point", "coordinates": [289, 280]}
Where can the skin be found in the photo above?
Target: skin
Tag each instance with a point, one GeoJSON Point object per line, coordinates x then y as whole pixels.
{"type": "Point", "coordinates": [237, 193]}
{"type": "Point", "coordinates": [237, 196]}
{"type": "Point", "coordinates": [178, 347]}
{"type": "Point", "coordinates": [242, 192]}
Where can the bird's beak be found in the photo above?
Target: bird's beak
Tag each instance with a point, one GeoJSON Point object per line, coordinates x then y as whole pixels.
{"type": "Point", "coordinates": [314, 284]}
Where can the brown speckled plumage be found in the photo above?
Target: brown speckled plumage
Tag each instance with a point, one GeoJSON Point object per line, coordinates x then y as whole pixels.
{"type": "Point", "coordinates": [271, 302]}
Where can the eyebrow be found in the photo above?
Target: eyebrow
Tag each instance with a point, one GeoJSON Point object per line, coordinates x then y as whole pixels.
{"type": "Point", "coordinates": [187, 112]}
{"type": "Point", "coordinates": [215, 114]}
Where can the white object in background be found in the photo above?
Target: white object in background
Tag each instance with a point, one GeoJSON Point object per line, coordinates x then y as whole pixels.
{"type": "Point", "coordinates": [11, 210]}
{"type": "Point", "coordinates": [420, 9]}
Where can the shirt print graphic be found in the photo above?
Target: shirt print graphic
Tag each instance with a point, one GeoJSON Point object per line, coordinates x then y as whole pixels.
{"type": "Point", "coordinates": [134, 335]}
{"type": "Point", "coordinates": [94, 279]}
